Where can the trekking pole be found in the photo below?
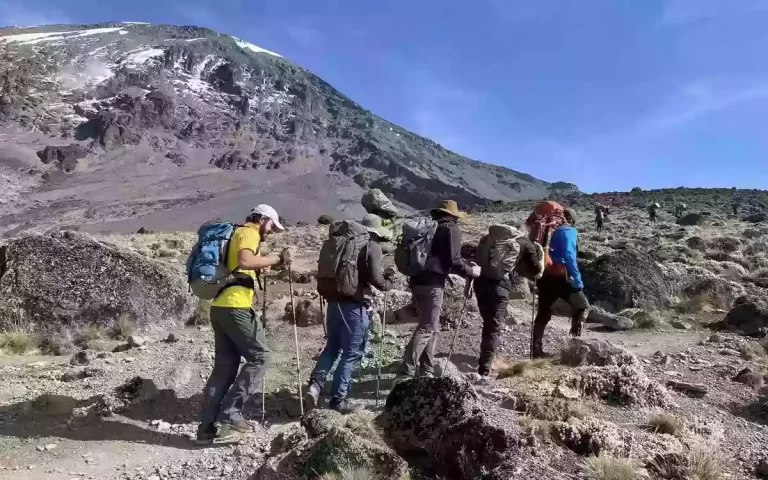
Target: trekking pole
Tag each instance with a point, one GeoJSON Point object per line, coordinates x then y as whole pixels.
{"type": "Point", "coordinates": [533, 318]}
{"type": "Point", "coordinates": [296, 340]}
{"type": "Point", "coordinates": [381, 344]}
{"type": "Point", "coordinates": [325, 315]}
{"type": "Point", "coordinates": [467, 294]}
{"type": "Point", "coordinates": [264, 325]}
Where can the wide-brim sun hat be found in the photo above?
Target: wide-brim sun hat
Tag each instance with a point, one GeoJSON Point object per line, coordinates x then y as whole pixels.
{"type": "Point", "coordinates": [451, 208]}
{"type": "Point", "coordinates": [374, 224]}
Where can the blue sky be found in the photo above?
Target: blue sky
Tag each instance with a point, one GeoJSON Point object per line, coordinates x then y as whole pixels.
{"type": "Point", "coordinates": [608, 94]}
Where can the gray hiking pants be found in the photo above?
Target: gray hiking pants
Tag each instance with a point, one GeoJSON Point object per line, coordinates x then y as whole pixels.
{"type": "Point", "coordinates": [420, 352]}
{"type": "Point", "coordinates": [237, 333]}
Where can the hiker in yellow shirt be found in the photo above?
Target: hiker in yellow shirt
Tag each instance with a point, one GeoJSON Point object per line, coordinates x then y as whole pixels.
{"type": "Point", "coordinates": [237, 333]}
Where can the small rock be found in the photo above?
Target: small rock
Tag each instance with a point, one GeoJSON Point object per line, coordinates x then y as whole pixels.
{"type": "Point", "coordinates": [692, 388]}
{"type": "Point", "coordinates": [171, 338]}
{"type": "Point", "coordinates": [715, 338]}
{"type": "Point", "coordinates": [762, 469]}
{"type": "Point", "coordinates": [680, 325]}
{"type": "Point", "coordinates": [38, 365]}
{"type": "Point", "coordinates": [136, 341]}
{"type": "Point", "coordinates": [40, 448]}
{"type": "Point", "coordinates": [50, 446]}
{"type": "Point", "coordinates": [124, 347]}
{"type": "Point", "coordinates": [83, 357]}
{"type": "Point", "coordinates": [129, 359]}
{"type": "Point", "coordinates": [228, 469]}
{"type": "Point", "coordinates": [665, 360]}
{"type": "Point", "coordinates": [153, 477]}
{"type": "Point", "coordinates": [729, 351]}
{"type": "Point", "coordinates": [567, 393]}
{"type": "Point", "coordinates": [142, 348]}
{"type": "Point", "coordinates": [750, 378]}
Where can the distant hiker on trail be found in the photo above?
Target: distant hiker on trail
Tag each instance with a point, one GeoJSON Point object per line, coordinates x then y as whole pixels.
{"type": "Point", "coordinates": [498, 254]}
{"type": "Point", "coordinates": [680, 209]}
{"type": "Point", "coordinates": [236, 331]}
{"type": "Point", "coordinates": [428, 251]}
{"type": "Point", "coordinates": [561, 279]}
{"type": "Point", "coordinates": [349, 265]}
{"type": "Point", "coordinates": [599, 219]}
{"type": "Point", "coordinates": [652, 211]}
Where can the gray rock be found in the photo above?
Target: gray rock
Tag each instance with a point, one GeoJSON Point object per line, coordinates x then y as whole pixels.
{"type": "Point", "coordinates": [83, 357]}
{"type": "Point", "coordinates": [680, 325]}
{"type": "Point", "coordinates": [136, 341]}
{"type": "Point", "coordinates": [52, 404]}
{"type": "Point", "coordinates": [590, 351]}
{"type": "Point", "coordinates": [761, 470]}
{"type": "Point", "coordinates": [624, 279]}
{"type": "Point", "coordinates": [749, 317]}
{"type": "Point", "coordinates": [71, 279]}
{"type": "Point", "coordinates": [696, 389]}
{"type": "Point", "coordinates": [445, 419]}
{"type": "Point", "coordinates": [609, 320]}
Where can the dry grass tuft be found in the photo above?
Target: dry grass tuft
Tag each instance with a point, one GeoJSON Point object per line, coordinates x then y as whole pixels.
{"type": "Point", "coordinates": [606, 467]}
{"type": "Point", "coordinates": [17, 340]}
{"type": "Point", "coordinates": [202, 315]}
{"type": "Point", "coordinates": [665, 423]}
{"type": "Point", "coordinates": [363, 423]}
{"type": "Point", "coordinates": [123, 328]}
{"type": "Point", "coordinates": [705, 463]}
{"type": "Point", "coordinates": [357, 473]}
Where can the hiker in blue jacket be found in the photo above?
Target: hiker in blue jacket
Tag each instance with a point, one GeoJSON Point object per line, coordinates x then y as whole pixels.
{"type": "Point", "coordinates": [561, 280]}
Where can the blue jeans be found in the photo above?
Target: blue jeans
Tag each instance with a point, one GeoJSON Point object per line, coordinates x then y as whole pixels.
{"type": "Point", "coordinates": [347, 334]}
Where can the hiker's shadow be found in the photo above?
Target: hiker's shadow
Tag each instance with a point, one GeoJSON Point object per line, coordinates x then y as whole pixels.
{"type": "Point", "coordinates": [85, 420]}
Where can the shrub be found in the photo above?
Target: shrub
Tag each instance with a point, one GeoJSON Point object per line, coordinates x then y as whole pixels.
{"type": "Point", "coordinates": [506, 369]}
{"type": "Point", "coordinates": [90, 333]}
{"type": "Point", "coordinates": [59, 342]}
{"type": "Point", "coordinates": [606, 467]}
{"type": "Point", "coordinates": [164, 252]}
{"type": "Point", "coordinates": [202, 315]}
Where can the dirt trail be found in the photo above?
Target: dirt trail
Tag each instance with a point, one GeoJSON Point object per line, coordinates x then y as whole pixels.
{"type": "Point", "coordinates": [125, 447]}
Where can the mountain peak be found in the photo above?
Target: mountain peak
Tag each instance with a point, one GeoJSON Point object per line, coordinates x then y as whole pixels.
{"type": "Point", "coordinates": [136, 123]}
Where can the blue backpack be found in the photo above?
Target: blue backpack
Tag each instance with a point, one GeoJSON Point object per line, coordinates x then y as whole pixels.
{"type": "Point", "coordinates": [207, 271]}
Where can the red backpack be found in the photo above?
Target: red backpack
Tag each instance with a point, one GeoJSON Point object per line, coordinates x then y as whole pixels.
{"type": "Point", "coordinates": [541, 224]}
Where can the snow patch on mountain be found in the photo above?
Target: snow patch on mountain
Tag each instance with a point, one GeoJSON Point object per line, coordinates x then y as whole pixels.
{"type": "Point", "coordinates": [141, 57]}
{"type": "Point", "coordinates": [254, 48]}
{"type": "Point", "coordinates": [35, 38]}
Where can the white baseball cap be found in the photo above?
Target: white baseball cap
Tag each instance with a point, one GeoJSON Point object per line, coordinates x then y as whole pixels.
{"type": "Point", "coordinates": [271, 213]}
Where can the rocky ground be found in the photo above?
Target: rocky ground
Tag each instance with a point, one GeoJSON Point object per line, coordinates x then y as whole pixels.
{"type": "Point", "coordinates": [665, 376]}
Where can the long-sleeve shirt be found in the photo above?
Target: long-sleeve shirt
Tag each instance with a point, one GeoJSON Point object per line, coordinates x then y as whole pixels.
{"type": "Point", "coordinates": [563, 250]}
{"type": "Point", "coordinates": [444, 256]}
{"type": "Point", "coordinates": [371, 273]}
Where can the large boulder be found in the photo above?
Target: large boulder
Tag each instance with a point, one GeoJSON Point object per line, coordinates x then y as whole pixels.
{"type": "Point", "coordinates": [756, 217]}
{"type": "Point", "coordinates": [692, 219]}
{"type": "Point", "coordinates": [327, 442]}
{"type": "Point", "coordinates": [749, 317]}
{"type": "Point", "coordinates": [625, 279]}
{"type": "Point", "coordinates": [444, 418]}
{"type": "Point", "coordinates": [71, 279]}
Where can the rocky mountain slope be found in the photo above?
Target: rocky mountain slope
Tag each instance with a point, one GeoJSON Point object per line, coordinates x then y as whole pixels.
{"type": "Point", "coordinates": [124, 124]}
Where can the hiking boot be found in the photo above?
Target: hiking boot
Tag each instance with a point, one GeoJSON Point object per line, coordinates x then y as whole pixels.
{"type": "Point", "coordinates": [403, 377]}
{"type": "Point", "coordinates": [344, 406]}
{"type": "Point", "coordinates": [241, 426]}
{"type": "Point", "coordinates": [205, 435]}
{"type": "Point", "coordinates": [226, 434]}
{"type": "Point", "coordinates": [312, 397]}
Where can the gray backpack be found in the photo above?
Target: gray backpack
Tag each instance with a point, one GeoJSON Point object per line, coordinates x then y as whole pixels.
{"type": "Point", "coordinates": [337, 272]}
{"type": "Point", "coordinates": [498, 251]}
{"type": "Point", "coordinates": [414, 246]}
